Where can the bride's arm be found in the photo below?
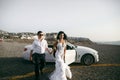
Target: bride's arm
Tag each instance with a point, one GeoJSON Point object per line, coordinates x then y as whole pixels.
{"type": "Point", "coordinates": [64, 53]}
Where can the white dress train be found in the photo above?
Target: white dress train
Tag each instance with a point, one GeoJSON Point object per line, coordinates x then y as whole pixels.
{"type": "Point", "coordinates": [62, 70]}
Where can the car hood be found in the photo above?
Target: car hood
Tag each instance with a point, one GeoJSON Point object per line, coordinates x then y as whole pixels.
{"type": "Point", "coordinates": [86, 49]}
{"type": "Point", "coordinates": [28, 46]}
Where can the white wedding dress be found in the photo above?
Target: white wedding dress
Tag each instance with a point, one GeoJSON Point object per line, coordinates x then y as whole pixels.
{"type": "Point", "coordinates": [62, 70]}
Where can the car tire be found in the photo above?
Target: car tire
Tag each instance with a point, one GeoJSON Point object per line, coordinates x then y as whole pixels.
{"type": "Point", "coordinates": [87, 59]}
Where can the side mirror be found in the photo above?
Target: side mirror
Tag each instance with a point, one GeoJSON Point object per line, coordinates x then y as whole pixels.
{"type": "Point", "coordinates": [72, 47]}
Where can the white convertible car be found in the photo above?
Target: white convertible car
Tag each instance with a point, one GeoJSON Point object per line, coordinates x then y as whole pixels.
{"type": "Point", "coordinates": [77, 54]}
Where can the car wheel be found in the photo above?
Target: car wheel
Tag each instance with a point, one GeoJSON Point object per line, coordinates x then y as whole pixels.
{"type": "Point", "coordinates": [87, 59]}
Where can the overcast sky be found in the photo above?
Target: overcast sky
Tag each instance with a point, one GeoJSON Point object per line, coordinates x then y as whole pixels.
{"type": "Point", "coordinates": [98, 20]}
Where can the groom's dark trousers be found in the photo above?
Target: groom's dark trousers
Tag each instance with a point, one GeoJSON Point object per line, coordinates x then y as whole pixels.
{"type": "Point", "coordinates": [39, 62]}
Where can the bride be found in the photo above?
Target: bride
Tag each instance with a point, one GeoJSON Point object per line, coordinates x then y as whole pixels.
{"type": "Point", "coordinates": [62, 70]}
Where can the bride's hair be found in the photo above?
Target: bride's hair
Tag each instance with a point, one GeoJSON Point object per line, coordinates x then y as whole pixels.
{"type": "Point", "coordinates": [61, 32]}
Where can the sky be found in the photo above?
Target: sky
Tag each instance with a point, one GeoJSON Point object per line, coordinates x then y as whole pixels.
{"type": "Point", "coordinates": [98, 20]}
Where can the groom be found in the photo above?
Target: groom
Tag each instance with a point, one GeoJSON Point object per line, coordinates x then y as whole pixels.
{"type": "Point", "coordinates": [37, 54]}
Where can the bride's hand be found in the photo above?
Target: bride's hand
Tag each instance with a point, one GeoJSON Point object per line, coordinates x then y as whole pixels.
{"type": "Point", "coordinates": [50, 51]}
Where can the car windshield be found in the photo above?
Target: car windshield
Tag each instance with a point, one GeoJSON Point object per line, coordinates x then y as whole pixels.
{"type": "Point", "coordinates": [68, 43]}
{"type": "Point", "coordinates": [71, 45]}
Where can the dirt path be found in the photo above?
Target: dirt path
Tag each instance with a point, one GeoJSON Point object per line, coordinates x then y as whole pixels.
{"type": "Point", "coordinates": [13, 67]}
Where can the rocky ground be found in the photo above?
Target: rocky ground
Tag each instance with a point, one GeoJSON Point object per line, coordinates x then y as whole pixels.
{"type": "Point", "coordinates": [13, 67]}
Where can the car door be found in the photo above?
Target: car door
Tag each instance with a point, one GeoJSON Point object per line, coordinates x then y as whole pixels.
{"type": "Point", "coordinates": [70, 55]}
{"type": "Point", "coordinates": [49, 57]}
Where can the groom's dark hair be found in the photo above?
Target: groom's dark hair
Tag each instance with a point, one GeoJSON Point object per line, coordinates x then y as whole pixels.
{"type": "Point", "coordinates": [39, 32]}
